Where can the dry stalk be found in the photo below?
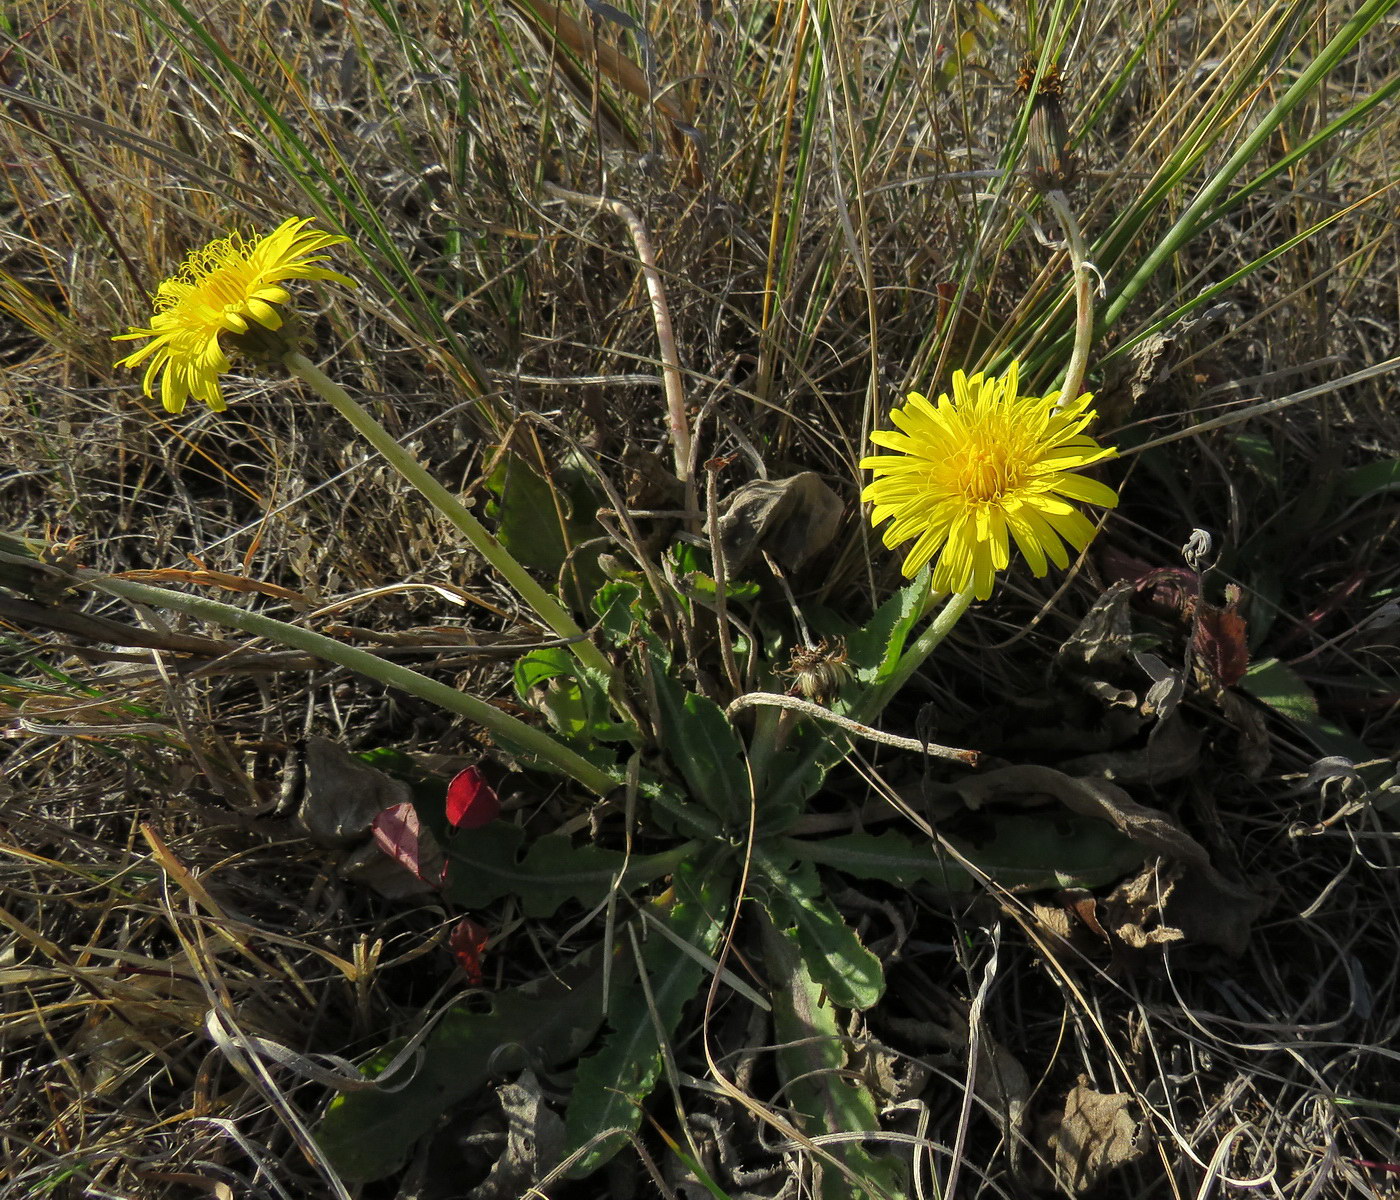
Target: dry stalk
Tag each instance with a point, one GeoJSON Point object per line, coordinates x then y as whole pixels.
{"type": "Point", "coordinates": [816, 711]}
{"type": "Point", "coordinates": [665, 333]}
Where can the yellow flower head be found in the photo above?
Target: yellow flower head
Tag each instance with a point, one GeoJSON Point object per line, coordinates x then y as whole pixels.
{"type": "Point", "coordinates": [229, 286]}
{"type": "Point", "coordinates": [985, 464]}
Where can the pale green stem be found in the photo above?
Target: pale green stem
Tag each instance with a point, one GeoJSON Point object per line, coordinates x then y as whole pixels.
{"type": "Point", "coordinates": [523, 736]}
{"type": "Point", "coordinates": [546, 607]}
{"type": "Point", "coordinates": [873, 703]}
{"type": "Point", "coordinates": [1073, 385]}
{"type": "Point", "coordinates": [913, 658]}
{"type": "Point", "coordinates": [771, 729]}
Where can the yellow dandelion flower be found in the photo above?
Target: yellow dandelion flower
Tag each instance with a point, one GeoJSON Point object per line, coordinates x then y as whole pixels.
{"type": "Point", "coordinates": [231, 286]}
{"type": "Point", "coordinates": [977, 470]}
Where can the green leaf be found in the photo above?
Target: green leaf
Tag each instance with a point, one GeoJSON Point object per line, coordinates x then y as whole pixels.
{"type": "Point", "coordinates": [1028, 852]}
{"type": "Point", "coordinates": [795, 774]}
{"type": "Point", "coordinates": [1257, 451]}
{"type": "Point", "coordinates": [1372, 479]}
{"type": "Point", "coordinates": [572, 698]}
{"type": "Point", "coordinates": [541, 520]}
{"type": "Point", "coordinates": [1024, 852]}
{"type": "Point", "coordinates": [612, 1084]}
{"type": "Point", "coordinates": [617, 604]}
{"type": "Point", "coordinates": [538, 667]}
{"type": "Point", "coordinates": [674, 811]}
{"type": "Point", "coordinates": [564, 705]}
{"type": "Point", "coordinates": [368, 1134]}
{"type": "Point", "coordinates": [890, 857]}
{"type": "Point", "coordinates": [1282, 689]}
{"type": "Point", "coordinates": [875, 650]}
{"type": "Point", "coordinates": [811, 1058]}
{"type": "Point", "coordinates": [705, 748]}
{"type": "Point", "coordinates": [536, 519]}
{"type": "Point", "coordinates": [485, 864]}
{"type": "Point", "coordinates": [697, 582]}
{"type": "Point", "coordinates": [852, 976]}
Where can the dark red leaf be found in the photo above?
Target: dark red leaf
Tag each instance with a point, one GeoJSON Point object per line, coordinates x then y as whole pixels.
{"type": "Point", "coordinates": [1220, 643]}
{"type": "Point", "coordinates": [401, 836]}
{"type": "Point", "coordinates": [471, 801]}
{"type": "Point", "coordinates": [467, 941]}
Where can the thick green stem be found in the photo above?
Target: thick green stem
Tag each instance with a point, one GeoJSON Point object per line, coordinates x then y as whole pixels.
{"type": "Point", "coordinates": [526, 737]}
{"type": "Point", "coordinates": [913, 658]}
{"type": "Point", "coordinates": [546, 607]}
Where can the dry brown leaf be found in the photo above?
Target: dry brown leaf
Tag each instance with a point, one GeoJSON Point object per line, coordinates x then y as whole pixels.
{"type": "Point", "coordinates": [791, 518]}
{"type": "Point", "coordinates": [204, 577]}
{"type": "Point", "coordinates": [342, 795]}
{"type": "Point", "coordinates": [1179, 902]}
{"type": "Point", "coordinates": [1103, 639]}
{"type": "Point", "coordinates": [1206, 906]}
{"type": "Point", "coordinates": [369, 866]}
{"type": "Point", "coordinates": [1055, 920]}
{"type": "Point", "coordinates": [999, 1081]}
{"type": "Point", "coordinates": [216, 1188]}
{"type": "Point", "coordinates": [1088, 797]}
{"type": "Point", "coordinates": [1173, 751]}
{"type": "Point", "coordinates": [1253, 753]}
{"type": "Point", "coordinates": [556, 27]}
{"type": "Point", "coordinates": [1096, 1134]}
{"type": "Point", "coordinates": [1136, 909]}
{"type": "Point", "coordinates": [534, 1141]}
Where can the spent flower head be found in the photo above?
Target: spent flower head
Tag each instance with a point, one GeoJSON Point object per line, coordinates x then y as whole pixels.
{"type": "Point", "coordinates": [818, 672]}
{"type": "Point", "coordinates": [231, 286]}
{"type": "Point", "coordinates": [982, 468]}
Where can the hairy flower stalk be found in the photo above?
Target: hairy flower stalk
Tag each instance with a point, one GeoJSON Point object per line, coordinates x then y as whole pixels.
{"type": "Point", "coordinates": [228, 293]}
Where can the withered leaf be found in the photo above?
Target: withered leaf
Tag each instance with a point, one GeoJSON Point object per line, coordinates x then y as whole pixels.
{"type": "Point", "coordinates": [1219, 642]}
{"type": "Point", "coordinates": [343, 795]}
{"type": "Point", "coordinates": [793, 519]}
{"type": "Point", "coordinates": [1207, 907]}
{"type": "Point", "coordinates": [1096, 1134]}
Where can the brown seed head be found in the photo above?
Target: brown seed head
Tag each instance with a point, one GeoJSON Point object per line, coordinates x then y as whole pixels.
{"type": "Point", "coordinates": [817, 672]}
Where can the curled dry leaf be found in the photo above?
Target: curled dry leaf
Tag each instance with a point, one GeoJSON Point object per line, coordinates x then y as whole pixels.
{"type": "Point", "coordinates": [1103, 639]}
{"type": "Point", "coordinates": [534, 1141]}
{"type": "Point", "coordinates": [1096, 1133]}
{"type": "Point", "coordinates": [793, 519]}
{"type": "Point", "coordinates": [1176, 902]}
{"type": "Point", "coordinates": [1167, 690]}
{"type": "Point", "coordinates": [342, 795]}
{"type": "Point", "coordinates": [1206, 907]}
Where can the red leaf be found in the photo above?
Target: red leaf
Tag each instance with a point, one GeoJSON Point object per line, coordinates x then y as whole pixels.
{"type": "Point", "coordinates": [471, 801]}
{"type": "Point", "coordinates": [467, 941]}
{"type": "Point", "coordinates": [401, 836]}
{"type": "Point", "coordinates": [1220, 641]}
